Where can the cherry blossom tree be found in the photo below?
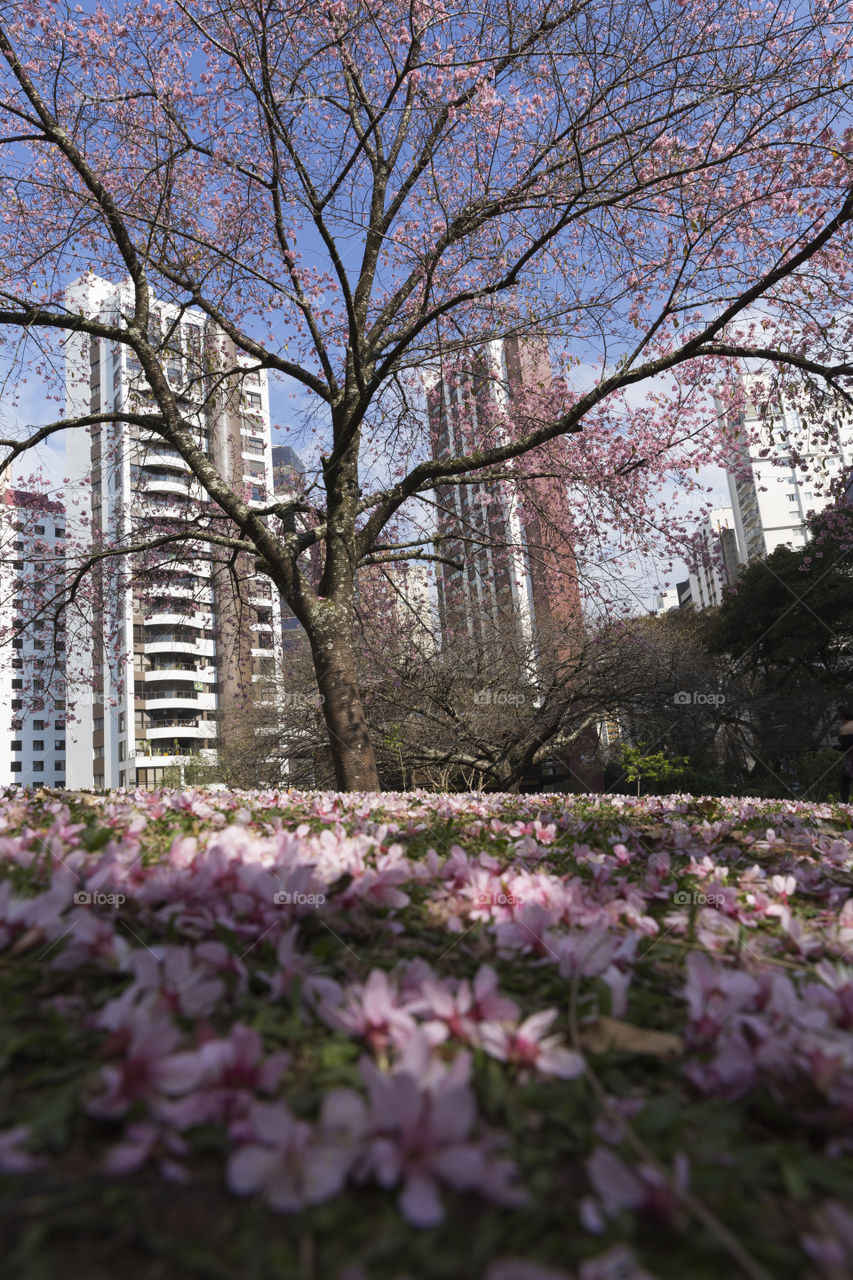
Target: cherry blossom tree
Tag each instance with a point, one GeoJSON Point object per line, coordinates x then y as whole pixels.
{"type": "Point", "coordinates": [353, 194]}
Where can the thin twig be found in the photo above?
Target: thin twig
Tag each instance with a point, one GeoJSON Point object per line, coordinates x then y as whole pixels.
{"type": "Point", "coordinates": [699, 1210]}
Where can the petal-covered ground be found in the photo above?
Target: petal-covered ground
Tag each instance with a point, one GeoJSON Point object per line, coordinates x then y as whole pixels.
{"type": "Point", "coordinates": [275, 1034]}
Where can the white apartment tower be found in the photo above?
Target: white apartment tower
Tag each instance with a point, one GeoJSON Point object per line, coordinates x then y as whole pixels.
{"type": "Point", "coordinates": [771, 493]}
{"type": "Point", "coordinates": [717, 563]}
{"type": "Point", "coordinates": [32, 657]}
{"type": "Point", "coordinates": [152, 669]}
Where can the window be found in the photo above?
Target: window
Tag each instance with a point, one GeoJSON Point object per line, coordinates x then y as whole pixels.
{"type": "Point", "coordinates": [17, 643]}
{"type": "Point", "coordinates": [122, 721]}
{"type": "Point", "coordinates": [17, 684]}
{"type": "Point", "coordinates": [38, 766]}
{"type": "Point", "coordinates": [59, 766]}
{"type": "Point", "coordinates": [16, 744]}
{"type": "Point", "coordinates": [59, 724]}
{"type": "Point", "coordinates": [16, 766]}
{"type": "Point", "coordinates": [59, 704]}
{"type": "Point", "coordinates": [38, 744]}
{"type": "Point", "coordinates": [17, 704]}
{"type": "Point", "coordinates": [17, 664]}
{"type": "Point", "coordinates": [60, 533]}
{"type": "Point", "coordinates": [39, 529]}
{"type": "Point", "coordinates": [38, 725]}
{"type": "Point", "coordinates": [253, 399]}
{"type": "Point", "coordinates": [97, 723]}
{"type": "Point", "coordinates": [121, 751]}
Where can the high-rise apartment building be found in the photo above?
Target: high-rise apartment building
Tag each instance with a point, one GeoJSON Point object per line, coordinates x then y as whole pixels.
{"type": "Point", "coordinates": [517, 566]}
{"type": "Point", "coordinates": [167, 648]}
{"type": "Point", "coordinates": [771, 492]}
{"type": "Point", "coordinates": [716, 564]}
{"type": "Point", "coordinates": [675, 597]}
{"type": "Point", "coordinates": [287, 472]}
{"type": "Point", "coordinates": [411, 607]}
{"type": "Point", "coordinates": [32, 657]}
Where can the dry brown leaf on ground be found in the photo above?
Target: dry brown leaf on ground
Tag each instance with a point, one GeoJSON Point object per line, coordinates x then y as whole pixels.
{"type": "Point", "coordinates": [612, 1033]}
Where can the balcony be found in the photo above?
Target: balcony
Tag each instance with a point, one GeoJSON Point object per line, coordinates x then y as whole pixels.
{"type": "Point", "coordinates": [171, 695]}
{"type": "Point", "coordinates": [161, 615]}
{"type": "Point", "coordinates": [180, 727]}
{"type": "Point", "coordinates": [169, 482]}
{"type": "Point", "coordinates": [167, 753]}
{"type": "Point", "coordinates": [181, 671]}
{"type": "Point", "coordinates": [170, 643]}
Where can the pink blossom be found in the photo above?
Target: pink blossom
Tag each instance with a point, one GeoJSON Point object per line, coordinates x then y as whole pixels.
{"type": "Point", "coordinates": [148, 1065]}
{"type": "Point", "coordinates": [286, 1163]}
{"type": "Point", "coordinates": [528, 1046]}
{"type": "Point", "coordinates": [373, 1011]}
{"type": "Point", "coordinates": [294, 966]}
{"type": "Point", "coordinates": [831, 1247]}
{"type": "Point", "coordinates": [620, 1188]}
{"type": "Point", "coordinates": [13, 1159]}
{"type": "Point", "coordinates": [138, 1144]}
{"type": "Point", "coordinates": [416, 1131]}
{"type": "Point", "coordinates": [458, 1012]}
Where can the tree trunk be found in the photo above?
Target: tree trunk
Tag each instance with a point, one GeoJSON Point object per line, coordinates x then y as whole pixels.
{"type": "Point", "coordinates": [343, 711]}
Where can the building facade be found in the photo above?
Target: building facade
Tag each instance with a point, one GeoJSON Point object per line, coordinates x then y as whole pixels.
{"type": "Point", "coordinates": [716, 564]}
{"type": "Point", "coordinates": [783, 464]}
{"type": "Point", "coordinates": [32, 657]}
{"type": "Point", "coordinates": [411, 604]}
{"type": "Point", "coordinates": [287, 473]}
{"type": "Point", "coordinates": [517, 566]}
{"type": "Point", "coordinates": [168, 647]}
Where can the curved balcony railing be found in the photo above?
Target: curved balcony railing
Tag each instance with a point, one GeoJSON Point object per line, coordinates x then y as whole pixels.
{"type": "Point", "coordinates": [171, 695]}
{"type": "Point", "coordinates": [181, 670]}
{"type": "Point", "coordinates": [175, 749]}
{"type": "Point", "coordinates": [180, 644]}
{"type": "Point", "coordinates": [188, 725]}
{"type": "Point", "coordinates": [161, 615]}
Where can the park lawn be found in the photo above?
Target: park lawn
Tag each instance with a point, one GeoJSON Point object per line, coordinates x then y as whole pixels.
{"type": "Point", "coordinates": [281, 1034]}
